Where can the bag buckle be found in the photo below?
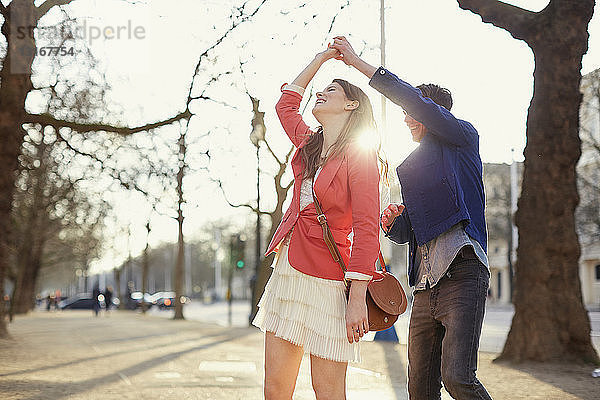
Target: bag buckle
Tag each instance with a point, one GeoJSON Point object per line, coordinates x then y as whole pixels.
{"type": "Point", "coordinates": [322, 219]}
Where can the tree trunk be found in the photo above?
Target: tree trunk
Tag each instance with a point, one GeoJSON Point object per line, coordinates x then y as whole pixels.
{"type": "Point", "coordinates": [550, 321]}
{"type": "Point", "coordinates": [16, 84]}
{"type": "Point", "coordinates": [117, 273]}
{"type": "Point", "coordinates": [145, 270]}
{"type": "Point", "coordinates": [23, 299]}
{"type": "Point", "coordinates": [264, 272]}
{"type": "Point", "coordinates": [33, 239]}
{"type": "Point", "coordinates": [178, 273]}
{"type": "Point", "coordinates": [24, 293]}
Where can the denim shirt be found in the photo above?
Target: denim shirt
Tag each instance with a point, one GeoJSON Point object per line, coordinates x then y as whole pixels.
{"type": "Point", "coordinates": [434, 257]}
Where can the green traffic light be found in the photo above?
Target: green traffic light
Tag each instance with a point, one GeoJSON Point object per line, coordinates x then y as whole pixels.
{"type": "Point", "coordinates": [240, 264]}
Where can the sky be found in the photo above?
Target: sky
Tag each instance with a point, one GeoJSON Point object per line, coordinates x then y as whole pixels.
{"type": "Point", "coordinates": [489, 73]}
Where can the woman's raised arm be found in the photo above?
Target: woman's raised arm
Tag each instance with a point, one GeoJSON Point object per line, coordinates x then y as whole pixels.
{"type": "Point", "coordinates": [289, 104]}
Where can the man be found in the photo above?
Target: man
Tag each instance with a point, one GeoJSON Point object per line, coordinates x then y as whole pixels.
{"type": "Point", "coordinates": [442, 219]}
{"type": "Point", "coordinates": [95, 299]}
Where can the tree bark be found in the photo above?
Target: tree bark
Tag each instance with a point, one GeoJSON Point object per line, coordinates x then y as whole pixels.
{"type": "Point", "coordinates": [23, 299]}
{"type": "Point", "coordinates": [117, 275]}
{"type": "Point", "coordinates": [35, 225]}
{"type": "Point", "coordinates": [16, 83]}
{"type": "Point", "coordinates": [145, 270]}
{"type": "Point", "coordinates": [179, 273]}
{"type": "Point", "coordinates": [550, 321]}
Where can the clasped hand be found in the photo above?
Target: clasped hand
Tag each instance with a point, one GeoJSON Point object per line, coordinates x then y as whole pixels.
{"type": "Point", "coordinates": [340, 49]}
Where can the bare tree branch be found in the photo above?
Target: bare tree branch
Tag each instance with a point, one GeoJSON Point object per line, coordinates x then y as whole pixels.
{"type": "Point", "coordinates": [272, 152]}
{"type": "Point", "coordinates": [43, 8]}
{"type": "Point", "coordinates": [335, 17]}
{"type": "Point", "coordinates": [202, 97]}
{"type": "Point", "coordinates": [112, 172]}
{"type": "Point", "coordinates": [245, 205]}
{"type": "Point", "coordinates": [289, 154]}
{"type": "Point", "coordinates": [237, 22]}
{"type": "Point", "coordinates": [49, 120]}
{"type": "Point", "coordinates": [517, 21]}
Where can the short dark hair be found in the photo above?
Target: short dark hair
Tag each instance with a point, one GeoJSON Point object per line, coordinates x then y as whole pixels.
{"type": "Point", "coordinates": [440, 96]}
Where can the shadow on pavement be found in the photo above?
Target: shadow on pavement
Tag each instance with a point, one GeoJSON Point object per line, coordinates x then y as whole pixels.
{"type": "Point", "coordinates": [56, 390]}
{"type": "Point", "coordinates": [395, 367]}
{"type": "Point", "coordinates": [115, 353]}
{"type": "Point", "coordinates": [575, 379]}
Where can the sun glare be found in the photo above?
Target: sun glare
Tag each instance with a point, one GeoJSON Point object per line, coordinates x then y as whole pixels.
{"type": "Point", "coordinates": [368, 139]}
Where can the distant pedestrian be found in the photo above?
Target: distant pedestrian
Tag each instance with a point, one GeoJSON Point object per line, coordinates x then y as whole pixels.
{"type": "Point", "coordinates": [108, 296]}
{"type": "Point", "coordinates": [129, 304]}
{"type": "Point", "coordinates": [304, 307]}
{"type": "Point", "coordinates": [96, 300]}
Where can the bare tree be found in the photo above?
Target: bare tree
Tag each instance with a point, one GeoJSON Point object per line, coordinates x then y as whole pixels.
{"type": "Point", "coordinates": [281, 189]}
{"type": "Point", "coordinates": [550, 321]}
{"type": "Point", "coordinates": [52, 216]}
{"type": "Point", "coordinates": [238, 16]}
{"type": "Point", "coordinates": [15, 85]}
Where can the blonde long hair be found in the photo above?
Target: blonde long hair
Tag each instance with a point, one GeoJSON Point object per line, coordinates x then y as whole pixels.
{"type": "Point", "coordinates": [361, 120]}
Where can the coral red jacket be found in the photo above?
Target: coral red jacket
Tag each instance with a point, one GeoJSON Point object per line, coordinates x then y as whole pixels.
{"type": "Point", "coordinates": [348, 189]}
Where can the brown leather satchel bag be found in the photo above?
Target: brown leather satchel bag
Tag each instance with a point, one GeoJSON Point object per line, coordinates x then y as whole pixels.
{"type": "Point", "coordinates": [385, 298]}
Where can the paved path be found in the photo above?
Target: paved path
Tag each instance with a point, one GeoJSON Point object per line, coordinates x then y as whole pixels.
{"type": "Point", "coordinates": [495, 325]}
{"type": "Point", "coordinates": [72, 355]}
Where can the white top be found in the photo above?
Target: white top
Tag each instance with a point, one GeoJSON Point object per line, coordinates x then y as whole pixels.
{"type": "Point", "coordinates": [306, 196]}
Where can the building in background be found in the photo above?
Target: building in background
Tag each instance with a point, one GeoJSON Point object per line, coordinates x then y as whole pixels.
{"type": "Point", "coordinates": [588, 173]}
{"type": "Point", "coordinates": [499, 217]}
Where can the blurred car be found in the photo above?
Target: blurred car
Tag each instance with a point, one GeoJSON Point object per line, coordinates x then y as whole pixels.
{"type": "Point", "coordinates": [166, 300]}
{"type": "Point", "coordinates": [81, 301]}
{"type": "Point", "coordinates": [149, 299]}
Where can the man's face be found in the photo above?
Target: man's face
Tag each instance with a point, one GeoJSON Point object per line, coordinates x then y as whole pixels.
{"type": "Point", "coordinates": [417, 129]}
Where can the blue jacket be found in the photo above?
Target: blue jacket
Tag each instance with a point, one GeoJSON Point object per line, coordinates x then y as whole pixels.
{"type": "Point", "coordinates": [441, 180]}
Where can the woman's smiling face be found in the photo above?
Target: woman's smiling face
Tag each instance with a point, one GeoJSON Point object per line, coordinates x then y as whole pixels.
{"type": "Point", "coordinates": [332, 100]}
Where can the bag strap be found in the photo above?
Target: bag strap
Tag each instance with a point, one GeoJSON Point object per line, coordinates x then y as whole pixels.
{"type": "Point", "coordinates": [330, 241]}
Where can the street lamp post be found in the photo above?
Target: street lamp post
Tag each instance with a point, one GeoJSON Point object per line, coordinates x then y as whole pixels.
{"type": "Point", "coordinates": [256, 136]}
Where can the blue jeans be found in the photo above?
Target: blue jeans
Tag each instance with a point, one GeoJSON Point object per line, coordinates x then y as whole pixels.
{"type": "Point", "coordinates": [445, 326]}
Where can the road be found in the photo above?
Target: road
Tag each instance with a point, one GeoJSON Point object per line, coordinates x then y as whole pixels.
{"type": "Point", "coordinates": [495, 326]}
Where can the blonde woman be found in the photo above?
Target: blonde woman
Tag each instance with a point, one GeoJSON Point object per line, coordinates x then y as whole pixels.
{"type": "Point", "coordinates": [304, 307]}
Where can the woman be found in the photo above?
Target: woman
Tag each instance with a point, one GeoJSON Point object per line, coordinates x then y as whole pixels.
{"type": "Point", "coordinates": [304, 307]}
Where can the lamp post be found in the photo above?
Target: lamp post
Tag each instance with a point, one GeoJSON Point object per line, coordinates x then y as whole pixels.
{"type": "Point", "coordinates": [79, 275]}
{"type": "Point", "coordinates": [256, 136]}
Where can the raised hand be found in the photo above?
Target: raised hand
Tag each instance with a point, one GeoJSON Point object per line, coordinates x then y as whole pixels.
{"type": "Point", "coordinates": [347, 53]}
{"type": "Point", "coordinates": [389, 215]}
{"type": "Point", "coordinates": [328, 54]}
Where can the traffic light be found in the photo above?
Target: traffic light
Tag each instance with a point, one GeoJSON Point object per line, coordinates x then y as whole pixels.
{"type": "Point", "coordinates": [237, 248]}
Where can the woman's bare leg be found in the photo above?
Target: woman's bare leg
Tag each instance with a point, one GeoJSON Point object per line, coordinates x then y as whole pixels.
{"type": "Point", "coordinates": [328, 378]}
{"type": "Point", "coordinates": [282, 363]}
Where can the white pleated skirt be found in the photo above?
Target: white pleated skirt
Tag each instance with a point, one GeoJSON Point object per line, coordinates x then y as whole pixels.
{"type": "Point", "coordinates": [306, 311]}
